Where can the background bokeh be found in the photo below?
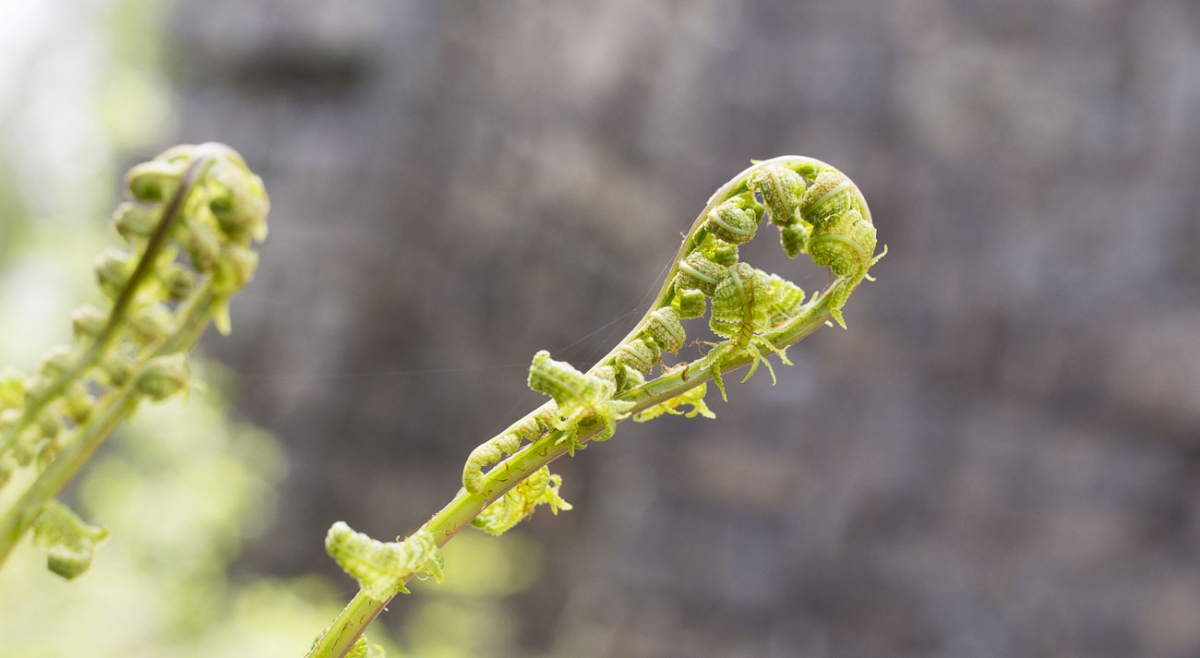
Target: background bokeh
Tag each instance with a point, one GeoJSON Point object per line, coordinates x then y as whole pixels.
{"type": "Point", "coordinates": [999, 458]}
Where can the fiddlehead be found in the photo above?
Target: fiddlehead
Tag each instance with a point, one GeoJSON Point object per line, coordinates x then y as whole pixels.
{"type": "Point", "coordinates": [749, 307]}
{"type": "Point", "coordinates": [747, 303]}
{"type": "Point", "coordinates": [381, 569]}
{"type": "Point", "coordinates": [585, 402]}
{"type": "Point", "coordinates": [508, 442]}
{"type": "Point", "coordinates": [817, 210]}
{"type": "Point", "coordinates": [193, 216]}
{"type": "Point", "coordinates": [70, 541]}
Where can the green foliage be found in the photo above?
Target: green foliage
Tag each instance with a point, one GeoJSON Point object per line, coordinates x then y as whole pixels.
{"type": "Point", "coordinates": [194, 214]}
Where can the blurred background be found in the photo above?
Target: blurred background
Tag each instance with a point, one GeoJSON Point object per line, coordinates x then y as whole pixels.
{"type": "Point", "coordinates": [999, 458]}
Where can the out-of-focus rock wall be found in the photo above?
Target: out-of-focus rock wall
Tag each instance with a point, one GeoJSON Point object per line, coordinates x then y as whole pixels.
{"type": "Point", "coordinates": [1000, 458]}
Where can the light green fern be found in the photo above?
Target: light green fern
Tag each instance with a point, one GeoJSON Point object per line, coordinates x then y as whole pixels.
{"type": "Point", "coordinates": [817, 210]}
{"type": "Point", "coordinates": [191, 222]}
